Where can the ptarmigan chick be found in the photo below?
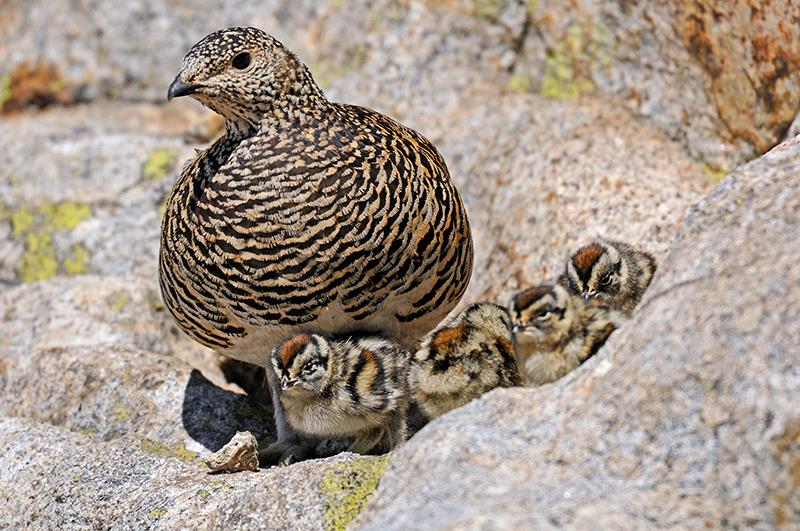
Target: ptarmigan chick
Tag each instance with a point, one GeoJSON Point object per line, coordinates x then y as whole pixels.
{"type": "Point", "coordinates": [469, 356]}
{"type": "Point", "coordinates": [345, 388]}
{"type": "Point", "coordinates": [554, 332]}
{"type": "Point", "coordinates": [613, 273]}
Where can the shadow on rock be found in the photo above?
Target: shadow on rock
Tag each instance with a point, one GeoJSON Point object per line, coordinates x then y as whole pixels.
{"type": "Point", "coordinates": [211, 416]}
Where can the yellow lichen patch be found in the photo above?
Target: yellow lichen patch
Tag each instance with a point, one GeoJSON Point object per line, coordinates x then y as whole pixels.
{"type": "Point", "coordinates": [157, 513]}
{"type": "Point", "coordinates": [155, 302]}
{"type": "Point", "coordinates": [713, 173]}
{"type": "Point", "coordinates": [203, 493]}
{"type": "Point", "coordinates": [64, 216]}
{"type": "Point", "coordinates": [490, 9]}
{"type": "Point", "coordinates": [21, 221]}
{"type": "Point", "coordinates": [37, 228]}
{"type": "Point", "coordinates": [39, 259]}
{"type": "Point", "coordinates": [347, 488]}
{"type": "Point", "coordinates": [121, 413]}
{"type": "Point", "coordinates": [179, 451]}
{"type": "Point", "coordinates": [5, 89]}
{"type": "Point", "coordinates": [119, 301]}
{"type": "Point", "coordinates": [520, 82]}
{"type": "Point", "coordinates": [159, 163]}
{"type": "Point", "coordinates": [568, 66]}
{"type": "Point", "coordinates": [77, 260]}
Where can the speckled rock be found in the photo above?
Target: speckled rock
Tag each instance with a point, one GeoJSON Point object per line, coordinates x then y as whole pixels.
{"type": "Point", "coordinates": [609, 118]}
{"type": "Point", "coordinates": [91, 354]}
{"type": "Point", "coordinates": [687, 419]}
{"type": "Point", "coordinates": [721, 79]}
{"type": "Point", "coordinates": [63, 479]}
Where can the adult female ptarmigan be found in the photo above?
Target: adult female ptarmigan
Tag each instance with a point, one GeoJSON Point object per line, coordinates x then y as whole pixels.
{"type": "Point", "coordinates": [306, 216]}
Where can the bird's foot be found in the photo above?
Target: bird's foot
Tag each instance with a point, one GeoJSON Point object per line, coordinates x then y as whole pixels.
{"type": "Point", "coordinates": [285, 453]}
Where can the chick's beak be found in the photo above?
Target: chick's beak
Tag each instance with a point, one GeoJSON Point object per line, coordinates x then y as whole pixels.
{"type": "Point", "coordinates": [586, 295]}
{"type": "Point", "coordinates": [178, 88]}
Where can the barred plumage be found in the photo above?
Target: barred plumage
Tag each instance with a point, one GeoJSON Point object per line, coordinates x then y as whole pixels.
{"type": "Point", "coordinates": [306, 216]}
{"type": "Point", "coordinates": [355, 388]}
{"type": "Point", "coordinates": [554, 331]}
{"type": "Point", "coordinates": [471, 355]}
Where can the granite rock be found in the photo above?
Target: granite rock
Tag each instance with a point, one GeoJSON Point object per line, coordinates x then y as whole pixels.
{"type": "Point", "coordinates": [686, 419]}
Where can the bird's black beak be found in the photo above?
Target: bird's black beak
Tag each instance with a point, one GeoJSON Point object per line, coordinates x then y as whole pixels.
{"type": "Point", "coordinates": [178, 88]}
{"type": "Point", "coordinates": [586, 296]}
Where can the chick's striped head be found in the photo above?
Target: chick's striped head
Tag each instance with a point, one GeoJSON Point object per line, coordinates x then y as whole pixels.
{"type": "Point", "coordinates": [244, 74]}
{"type": "Point", "coordinates": [542, 314]}
{"type": "Point", "coordinates": [595, 271]}
{"type": "Point", "coordinates": [301, 363]}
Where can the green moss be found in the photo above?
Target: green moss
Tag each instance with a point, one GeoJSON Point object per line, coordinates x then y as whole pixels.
{"type": "Point", "coordinates": [119, 301]}
{"type": "Point", "coordinates": [568, 65]}
{"type": "Point", "coordinates": [713, 173]}
{"type": "Point", "coordinates": [203, 493]}
{"type": "Point", "coordinates": [347, 488]}
{"type": "Point", "coordinates": [157, 513]}
{"type": "Point", "coordinates": [77, 260]}
{"type": "Point", "coordinates": [39, 259]}
{"type": "Point", "coordinates": [159, 163]}
{"type": "Point", "coordinates": [121, 413]}
{"type": "Point", "coordinates": [5, 89]}
{"type": "Point", "coordinates": [178, 451]}
{"type": "Point", "coordinates": [64, 216]}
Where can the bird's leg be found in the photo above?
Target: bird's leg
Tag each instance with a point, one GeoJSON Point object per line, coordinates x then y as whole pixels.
{"type": "Point", "coordinates": [290, 446]}
{"type": "Point", "coordinates": [394, 434]}
{"type": "Point", "coordinates": [366, 440]}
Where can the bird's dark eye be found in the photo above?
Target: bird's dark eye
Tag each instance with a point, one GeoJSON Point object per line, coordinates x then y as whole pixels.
{"type": "Point", "coordinates": [541, 314]}
{"type": "Point", "coordinates": [307, 368]}
{"type": "Point", "coordinates": [241, 61]}
{"type": "Point", "coordinates": [605, 280]}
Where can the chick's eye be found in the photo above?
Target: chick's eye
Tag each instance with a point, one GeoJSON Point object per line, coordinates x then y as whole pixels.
{"type": "Point", "coordinates": [308, 367]}
{"type": "Point", "coordinates": [241, 61]}
{"type": "Point", "coordinates": [541, 314]}
{"type": "Point", "coordinates": [606, 280]}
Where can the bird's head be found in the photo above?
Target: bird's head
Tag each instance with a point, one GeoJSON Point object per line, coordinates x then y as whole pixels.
{"type": "Point", "coordinates": [541, 314]}
{"type": "Point", "coordinates": [595, 271]}
{"type": "Point", "coordinates": [245, 75]}
{"type": "Point", "coordinates": [301, 363]}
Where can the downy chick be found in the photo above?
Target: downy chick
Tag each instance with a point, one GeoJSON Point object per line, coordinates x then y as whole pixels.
{"type": "Point", "coordinates": [554, 331]}
{"type": "Point", "coordinates": [469, 356]}
{"type": "Point", "coordinates": [356, 388]}
{"type": "Point", "coordinates": [613, 273]}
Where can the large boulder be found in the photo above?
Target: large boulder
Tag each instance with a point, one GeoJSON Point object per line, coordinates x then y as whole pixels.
{"type": "Point", "coordinates": [687, 419]}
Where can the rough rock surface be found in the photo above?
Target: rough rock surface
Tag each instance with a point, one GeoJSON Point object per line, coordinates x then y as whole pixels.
{"type": "Point", "coordinates": [609, 118]}
{"type": "Point", "coordinates": [65, 480]}
{"type": "Point", "coordinates": [687, 419]}
{"type": "Point", "coordinates": [723, 79]}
